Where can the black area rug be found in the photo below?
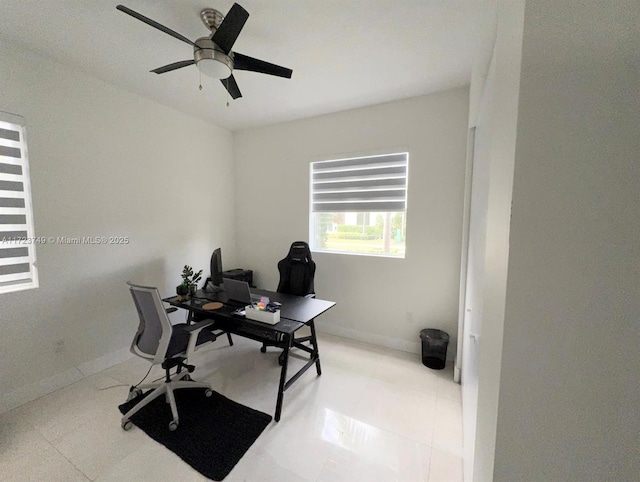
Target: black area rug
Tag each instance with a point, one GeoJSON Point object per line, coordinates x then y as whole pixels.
{"type": "Point", "coordinates": [213, 434]}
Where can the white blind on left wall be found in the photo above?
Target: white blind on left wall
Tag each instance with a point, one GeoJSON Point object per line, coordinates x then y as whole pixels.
{"type": "Point", "coordinates": [18, 269]}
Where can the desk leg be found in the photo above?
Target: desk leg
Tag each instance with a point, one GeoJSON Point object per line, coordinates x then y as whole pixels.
{"type": "Point", "coordinates": [229, 338]}
{"type": "Point", "coordinates": [314, 342]}
{"type": "Point", "coordinates": [283, 377]}
{"type": "Point", "coordinates": [190, 317]}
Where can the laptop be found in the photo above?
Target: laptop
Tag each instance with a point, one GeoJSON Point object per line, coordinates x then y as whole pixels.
{"type": "Point", "coordinates": [239, 291]}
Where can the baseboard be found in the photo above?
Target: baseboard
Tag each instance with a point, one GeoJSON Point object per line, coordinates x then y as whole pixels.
{"type": "Point", "coordinates": [106, 361]}
{"type": "Point", "coordinates": [22, 395]}
{"type": "Point", "coordinates": [371, 338]}
{"type": "Point", "coordinates": [456, 372]}
{"type": "Point", "coordinates": [27, 393]}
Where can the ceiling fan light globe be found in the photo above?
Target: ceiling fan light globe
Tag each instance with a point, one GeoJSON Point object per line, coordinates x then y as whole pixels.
{"type": "Point", "coordinates": [214, 68]}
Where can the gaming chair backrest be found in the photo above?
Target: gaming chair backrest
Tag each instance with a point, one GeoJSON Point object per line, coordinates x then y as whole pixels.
{"type": "Point", "coordinates": [297, 270]}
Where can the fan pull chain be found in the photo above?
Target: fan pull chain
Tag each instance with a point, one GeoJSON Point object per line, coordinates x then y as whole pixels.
{"type": "Point", "coordinates": [200, 75]}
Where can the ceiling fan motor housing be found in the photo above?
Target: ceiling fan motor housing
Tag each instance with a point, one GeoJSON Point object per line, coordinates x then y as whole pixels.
{"type": "Point", "coordinates": [207, 50]}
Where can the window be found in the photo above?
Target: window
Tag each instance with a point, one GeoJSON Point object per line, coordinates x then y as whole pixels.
{"type": "Point", "coordinates": [17, 242]}
{"type": "Point", "coordinates": [358, 205]}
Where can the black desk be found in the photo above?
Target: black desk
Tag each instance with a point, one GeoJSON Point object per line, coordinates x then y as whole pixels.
{"type": "Point", "coordinates": [295, 312]}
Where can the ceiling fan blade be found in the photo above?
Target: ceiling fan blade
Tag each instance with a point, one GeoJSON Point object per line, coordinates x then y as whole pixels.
{"type": "Point", "coordinates": [154, 24]}
{"type": "Point", "coordinates": [244, 62]}
{"type": "Point", "coordinates": [230, 28]}
{"type": "Point", "coordinates": [231, 86]}
{"type": "Point", "coordinates": [173, 66]}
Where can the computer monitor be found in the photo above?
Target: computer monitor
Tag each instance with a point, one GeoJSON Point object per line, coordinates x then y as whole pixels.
{"type": "Point", "coordinates": [215, 280]}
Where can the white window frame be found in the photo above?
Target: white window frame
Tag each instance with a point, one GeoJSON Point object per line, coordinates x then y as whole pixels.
{"type": "Point", "coordinates": [18, 269]}
{"type": "Point", "coordinates": [361, 181]}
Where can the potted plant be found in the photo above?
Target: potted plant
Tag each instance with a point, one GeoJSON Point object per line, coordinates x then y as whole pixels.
{"type": "Point", "coordinates": [189, 284]}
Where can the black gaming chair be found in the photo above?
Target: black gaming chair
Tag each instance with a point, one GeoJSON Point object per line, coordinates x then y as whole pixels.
{"type": "Point", "coordinates": [297, 271]}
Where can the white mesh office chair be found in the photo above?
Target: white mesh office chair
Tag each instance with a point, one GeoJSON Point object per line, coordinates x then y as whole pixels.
{"type": "Point", "coordinates": [162, 343]}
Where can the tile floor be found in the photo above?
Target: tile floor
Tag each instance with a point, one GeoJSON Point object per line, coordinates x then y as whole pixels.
{"type": "Point", "coordinates": [374, 415]}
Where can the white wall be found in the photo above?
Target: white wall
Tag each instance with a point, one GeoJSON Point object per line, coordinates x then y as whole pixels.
{"type": "Point", "coordinates": [373, 294]}
{"type": "Point", "coordinates": [103, 162]}
{"type": "Point", "coordinates": [501, 132]}
{"type": "Point", "coordinates": [568, 402]}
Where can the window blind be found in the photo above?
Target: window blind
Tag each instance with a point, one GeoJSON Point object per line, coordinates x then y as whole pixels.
{"type": "Point", "coordinates": [17, 244]}
{"type": "Point", "coordinates": [363, 184]}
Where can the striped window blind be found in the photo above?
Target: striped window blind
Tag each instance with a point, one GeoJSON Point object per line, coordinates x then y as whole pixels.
{"type": "Point", "coordinates": [363, 184]}
{"type": "Point", "coordinates": [17, 242]}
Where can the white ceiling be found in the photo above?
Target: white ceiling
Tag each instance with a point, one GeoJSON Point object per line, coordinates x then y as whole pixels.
{"type": "Point", "coordinates": [344, 53]}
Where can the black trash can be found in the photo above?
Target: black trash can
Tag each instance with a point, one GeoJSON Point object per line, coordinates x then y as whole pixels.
{"type": "Point", "coordinates": [434, 348]}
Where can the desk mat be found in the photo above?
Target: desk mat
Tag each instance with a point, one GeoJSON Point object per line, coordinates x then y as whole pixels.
{"type": "Point", "coordinates": [214, 305]}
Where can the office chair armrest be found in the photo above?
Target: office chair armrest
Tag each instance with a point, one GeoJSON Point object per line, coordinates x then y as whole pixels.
{"type": "Point", "coordinates": [194, 330]}
{"type": "Point", "coordinates": [170, 310]}
{"type": "Point", "coordinates": [310, 295]}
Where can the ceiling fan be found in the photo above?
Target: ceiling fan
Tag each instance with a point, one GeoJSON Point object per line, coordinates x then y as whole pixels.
{"type": "Point", "coordinates": [212, 55]}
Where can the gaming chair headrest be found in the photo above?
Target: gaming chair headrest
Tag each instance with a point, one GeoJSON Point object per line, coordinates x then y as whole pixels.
{"type": "Point", "coordinates": [300, 252]}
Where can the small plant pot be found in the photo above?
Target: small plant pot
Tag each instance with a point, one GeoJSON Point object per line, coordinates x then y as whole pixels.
{"type": "Point", "coordinates": [182, 290]}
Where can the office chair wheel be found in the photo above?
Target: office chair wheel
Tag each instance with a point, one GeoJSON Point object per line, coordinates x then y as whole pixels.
{"type": "Point", "coordinates": [173, 426]}
{"type": "Point", "coordinates": [208, 393]}
{"type": "Point", "coordinates": [127, 425]}
{"type": "Point", "coordinates": [263, 349]}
